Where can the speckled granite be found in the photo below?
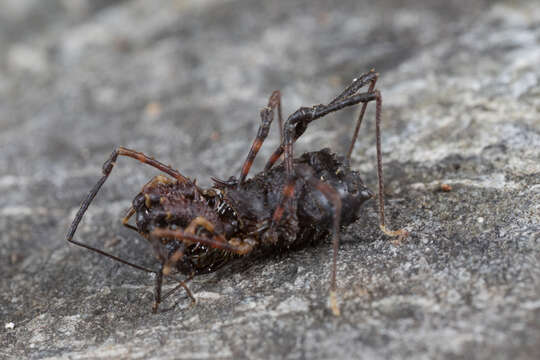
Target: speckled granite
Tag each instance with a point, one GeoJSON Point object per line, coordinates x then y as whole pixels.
{"type": "Point", "coordinates": [184, 81]}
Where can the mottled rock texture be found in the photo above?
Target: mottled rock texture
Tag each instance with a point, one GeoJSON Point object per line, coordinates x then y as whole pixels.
{"type": "Point", "coordinates": [184, 81]}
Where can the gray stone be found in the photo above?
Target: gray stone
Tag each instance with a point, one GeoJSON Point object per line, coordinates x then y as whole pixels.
{"type": "Point", "coordinates": [184, 82]}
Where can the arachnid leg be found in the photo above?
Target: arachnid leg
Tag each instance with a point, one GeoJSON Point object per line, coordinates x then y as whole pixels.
{"type": "Point", "coordinates": [333, 197]}
{"type": "Point", "coordinates": [190, 231]}
{"type": "Point", "coordinates": [298, 122]}
{"type": "Point", "coordinates": [348, 97]}
{"type": "Point", "coordinates": [157, 289]}
{"type": "Point", "coordinates": [400, 233]}
{"type": "Point", "coordinates": [369, 77]}
{"type": "Point", "coordinates": [199, 221]}
{"type": "Point", "coordinates": [267, 115]}
{"type": "Point", "coordinates": [107, 169]}
{"type": "Point", "coordinates": [186, 288]}
{"type": "Point", "coordinates": [125, 220]}
{"type": "Point", "coordinates": [372, 77]}
{"type": "Point", "coordinates": [234, 245]}
{"type": "Point", "coordinates": [286, 195]}
{"type": "Point", "coordinates": [357, 84]}
{"type": "Point", "coordinates": [158, 285]}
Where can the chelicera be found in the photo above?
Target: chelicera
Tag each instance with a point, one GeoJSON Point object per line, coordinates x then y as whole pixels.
{"type": "Point", "coordinates": [194, 231]}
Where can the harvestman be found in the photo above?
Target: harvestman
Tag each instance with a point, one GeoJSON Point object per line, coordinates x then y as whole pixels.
{"type": "Point", "coordinates": [195, 231]}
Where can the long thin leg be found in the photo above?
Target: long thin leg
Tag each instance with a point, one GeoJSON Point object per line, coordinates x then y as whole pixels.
{"type": "Point", "coordinates": [107, 169]}
{"type": "Point", "coordinates": [234, 245]}
{"type": "Point", "coordinates": [358, 83]}
{"type": "Point", "coordinates": [157, 289]}
{"type": "Point", "coordinates": [186, 288]}
{"type": "Point", "coordinates": [295, 126]}
{"type": "Point", "coordinates": [267, 115]}
{"type": "Point", "coordinates": [361, 115]}
{"type": "Point", "coordinates": [298, 121]}
{"type": "Point", "coordinates": [158, 285]}
{"type": "Point", "coordinates": [280, 118]}
{"type": "Point", "coordinates": [401, 233]}
{"type": "Point", "coordinates": [333, 197]}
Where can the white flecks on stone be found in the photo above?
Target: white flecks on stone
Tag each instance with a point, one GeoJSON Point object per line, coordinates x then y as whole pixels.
{"type": "Point", "coordinates": [207, 295]}
{"type": "Point", "coordinates": [293, 304]}
{"type": "Point", "coordinates": [27, 58]}
{"type": "Point", "coordinates": [493, 181]}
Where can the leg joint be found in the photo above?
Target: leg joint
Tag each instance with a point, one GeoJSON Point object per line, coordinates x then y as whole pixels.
{"type": "Point", "coordinates": [109, 164]}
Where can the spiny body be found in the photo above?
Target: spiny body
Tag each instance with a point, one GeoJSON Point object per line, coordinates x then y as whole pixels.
{"type": "Point", "coordinates": [195, 231]}
{"type": "Point", "coordinates": [246, 210]}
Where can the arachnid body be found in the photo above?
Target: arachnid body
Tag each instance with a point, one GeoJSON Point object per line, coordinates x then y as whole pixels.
{"type": "Point", "coordinates": [195, 231]}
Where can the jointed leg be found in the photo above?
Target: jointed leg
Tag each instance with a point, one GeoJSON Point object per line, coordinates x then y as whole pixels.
{"type": "Point", "coordinates": [286, 196]}
{"type": "Point", "coordinates": [373, 80]}
{"type": "Point", "coordinates": [157, 289]}
{"type": "Point", "coordinates": [190, 230]}
{"type": "Point", "coordinates": [369, 77]}
{"type": "Point", "coordinates": [356, 85]}
{"type": "Point", "coordinates": [125, 220]}
{"type": "Point", "coordinates": [295, 126]}
{"type": "Point", "coordinates": [334, 198]}
{"type": "Point", "coordinates": [122, 151]}
{"type": "Point", "coordinates": [280, 117]}
{"type": "Point", "coordinates": [234, 245]}
{"type": "Point", "coordinates": [199, 221]}
{"type": "Point", "coordinates": [186, 288]}
{"type": "Point", "coordinates": [401, 233]}
{"type": "Point", "coordinates": [158, 285]}
{"type": "Point", "coordinates": [107, 169]}
{"type": "Point", "coordinates": [267, 115]}
{"type": "Point", "coordinates": [298, 122]}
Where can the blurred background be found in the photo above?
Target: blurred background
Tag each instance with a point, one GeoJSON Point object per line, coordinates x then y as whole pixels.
{"type": "Point", "coordinates": [79, 77]}
{"type": "Point", "coordinates": [184, 81]}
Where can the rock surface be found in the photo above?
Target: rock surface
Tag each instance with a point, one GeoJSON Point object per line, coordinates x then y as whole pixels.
{"type": "Point", "coordinates": [184, 81]}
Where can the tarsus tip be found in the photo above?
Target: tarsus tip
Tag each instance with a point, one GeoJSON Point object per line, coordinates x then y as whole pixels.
{"type": "Point", "coordinates": [401, 234]}
{"type": "Point", "coordinates": [334, 304]}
